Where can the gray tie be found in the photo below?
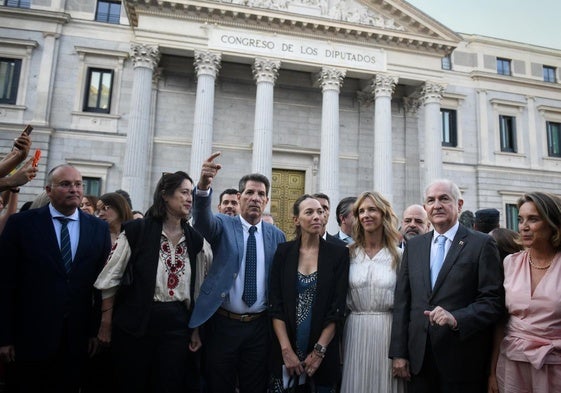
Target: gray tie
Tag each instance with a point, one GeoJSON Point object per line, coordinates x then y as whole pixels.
{"type": "Point", "coordinates": [438, 260]}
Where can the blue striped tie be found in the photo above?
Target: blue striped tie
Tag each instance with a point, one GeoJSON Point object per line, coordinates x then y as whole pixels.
{"type": "Point", "coordinates": [250, 280]}
{"type": "Point", "coordinates": [65, 248]}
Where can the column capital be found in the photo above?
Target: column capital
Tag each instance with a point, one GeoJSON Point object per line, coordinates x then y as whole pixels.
{"type": "Point", "coordinates": [265, 70]}
{"type": "Point", "coordinates": [144, 55]}
{"type": "Point", "coordinates": [207, 63]}
{"type": "Point", "coordinates": [51, 34]}
{"type": "Point", "coordinates": [331, 78]}
{"type": "Point", "coordinates": [383, 85]}
{"type": "Point", "coordinates": [411, 104]}
{"type": "Point", "coordinates": [431, 93]}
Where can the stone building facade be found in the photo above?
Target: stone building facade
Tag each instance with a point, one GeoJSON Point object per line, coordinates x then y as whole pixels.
{"type": "Point", "coordinates": [320, 95]}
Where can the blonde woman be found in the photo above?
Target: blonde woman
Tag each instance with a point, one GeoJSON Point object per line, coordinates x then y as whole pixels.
{"type": "Point", "coordinates": [372, 277]}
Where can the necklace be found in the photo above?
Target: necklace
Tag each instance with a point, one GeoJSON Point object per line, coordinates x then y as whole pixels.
{"type": "Point", "coordinates": [537, 266]}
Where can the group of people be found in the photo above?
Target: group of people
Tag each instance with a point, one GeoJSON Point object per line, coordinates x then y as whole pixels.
{"type": "Point", "coordinates": [186, 300]}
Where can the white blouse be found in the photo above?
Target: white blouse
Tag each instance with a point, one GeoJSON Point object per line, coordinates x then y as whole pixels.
{"type": "Point", "coordinates": [174, 270]}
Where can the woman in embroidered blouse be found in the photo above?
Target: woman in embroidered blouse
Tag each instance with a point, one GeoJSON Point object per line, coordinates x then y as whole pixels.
{"type": "Point", "coordinates": [527, 351]}
{"type": "Point", "coordinates": [307, 290]}
{"type": "Point", "coordinates": [149, 285]}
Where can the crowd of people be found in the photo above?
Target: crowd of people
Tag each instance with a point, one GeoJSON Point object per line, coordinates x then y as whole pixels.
{"type": "Point", "coordinates": [96, 299]}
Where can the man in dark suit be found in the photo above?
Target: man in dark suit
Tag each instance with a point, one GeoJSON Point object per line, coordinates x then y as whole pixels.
{"type": "Point", "coordinates": [232, 302]}
{"type": "Point", "coordinates": [345, 219]}
{"type": "Point", "coordinates": [46, 287]}
{"type": "Point", "coordinates": [448, 295]}
{"type": "Point", "coordinates": [325, 205]}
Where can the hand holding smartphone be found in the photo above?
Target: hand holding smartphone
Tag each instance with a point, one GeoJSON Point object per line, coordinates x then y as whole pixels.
{"type": "Point", "coordinates": [17, 142]}
{"type": "Point", "coordinates": [36, 158]}
{"type": "Point", "coordinates": [27, 130]}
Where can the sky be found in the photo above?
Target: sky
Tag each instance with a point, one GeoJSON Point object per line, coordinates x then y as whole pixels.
{"type": "Point", "coordinates": [535, 22]}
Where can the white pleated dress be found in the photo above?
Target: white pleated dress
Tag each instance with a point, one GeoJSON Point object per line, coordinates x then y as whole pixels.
{"type": "Point", "coordinates": [366, 366]}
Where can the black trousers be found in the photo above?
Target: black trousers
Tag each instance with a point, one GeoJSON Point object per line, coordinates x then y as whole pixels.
{"type": "Point", "coordinates": [159, 361]}
{"type": "Point", "coordinates": [236, 354]}
{"type": "Point", "coordinates": [60, 373]}
{"type": "Point", "coordinates": [431, 380]}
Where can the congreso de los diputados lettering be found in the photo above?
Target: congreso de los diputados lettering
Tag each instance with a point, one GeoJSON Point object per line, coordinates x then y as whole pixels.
{"type": "Point", "coordinates": [323, 96]}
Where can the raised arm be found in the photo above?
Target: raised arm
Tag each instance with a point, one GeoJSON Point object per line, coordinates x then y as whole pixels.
{"type": "Point", "coordinates": [203, 219]}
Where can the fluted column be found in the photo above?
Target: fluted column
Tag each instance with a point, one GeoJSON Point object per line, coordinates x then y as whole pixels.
{"type": "Point", "coordinates": [383, 86]}
{"type": "Point", "coordinates": [265, 72]}
{"type": "Point", "coordinates": [45, 80]}
{"type": "Point", "coordinates": [330, 80]}
{"type": "Point", "coordinates": [431, 96]}
{"type": "Point", "coordinates": [145, 58]}
{"type": "Point", "coordinates": [207, 65]}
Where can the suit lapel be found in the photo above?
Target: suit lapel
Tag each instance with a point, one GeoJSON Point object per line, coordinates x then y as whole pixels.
{"type": "Point", "coordinates": [85, 236]}
{"type": "Point", "coordinates": [238, 233]}
{"type": "Point", "coordinates": [291, 276]}
{"type": "Point", "coordinates": [425, 256]}
{"type": "Point", "coordinates": [458, 244]}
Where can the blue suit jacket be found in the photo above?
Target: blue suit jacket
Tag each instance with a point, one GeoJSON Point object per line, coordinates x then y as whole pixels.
{"type": "Point", "coordinates": [37, 297]}
{"type": "Point", "coordinates": [225, 235]}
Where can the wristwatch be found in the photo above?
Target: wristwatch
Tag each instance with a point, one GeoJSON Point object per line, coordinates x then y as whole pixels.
{"type": "Point", "coordinates": [320, 348]}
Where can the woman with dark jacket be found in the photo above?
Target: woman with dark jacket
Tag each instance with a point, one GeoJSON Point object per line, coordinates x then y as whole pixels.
{"type": "Point", "coordinates": [149, 286]}
{"type": "Point", "coordinates": [307, 292]}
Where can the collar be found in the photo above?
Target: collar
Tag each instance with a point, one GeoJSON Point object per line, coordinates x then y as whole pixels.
{"type": "Point", "coordinates": [246, 225]}
{"type": "Point", "coordinates": [55, 213]}
{"type": "Point", "coordinates": [343, 235]}
{"type": "Point", "coordinates": [449, 234]}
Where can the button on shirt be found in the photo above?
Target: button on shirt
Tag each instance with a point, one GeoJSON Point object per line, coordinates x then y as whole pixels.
{"type": "Point", "coordinates": [73, 227]}
{"type": "Point", "coordinates": [235, 302]}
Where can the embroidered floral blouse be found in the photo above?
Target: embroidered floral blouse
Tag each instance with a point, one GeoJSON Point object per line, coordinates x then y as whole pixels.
{"type": "Point", "coordinates": [173, 275]}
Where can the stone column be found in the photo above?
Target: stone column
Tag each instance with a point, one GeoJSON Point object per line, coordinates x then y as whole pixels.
{"type": "Point", "coordinates": [485, 145]}
{"type": "Point", "coordinates": [431, 96]}
{"type": "Point", "coordinates": [207, 65]}
{"type": "Point", "coordinates": [383, 86]}
{"type": "Point", "coordinates": [533, 138]}
{"type": "Point", "coordinates": [137, 153]}
{"type": "Point", "coordinates": [45, 80]}
{"type": "Point", "coordinates": [265, 72]}
{"type": "Point", "coordinates": [330, 80]}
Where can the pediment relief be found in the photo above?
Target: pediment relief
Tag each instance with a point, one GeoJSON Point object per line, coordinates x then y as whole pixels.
{"type": "Point", "coordinates": [386, 23]}
{"type": "Point", "coordinates": [344, 10]}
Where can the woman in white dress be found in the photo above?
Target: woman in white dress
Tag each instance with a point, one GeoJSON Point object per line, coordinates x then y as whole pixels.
{"type": "Point", "coordinates": [372, 276]}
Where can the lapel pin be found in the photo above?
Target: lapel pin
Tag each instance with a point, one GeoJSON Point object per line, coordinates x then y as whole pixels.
{"type": "Point", "coordinates": [461, 243]}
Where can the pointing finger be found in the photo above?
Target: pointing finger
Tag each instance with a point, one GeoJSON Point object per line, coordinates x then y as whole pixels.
{"type": "Point", "coordinates": [213, 156]}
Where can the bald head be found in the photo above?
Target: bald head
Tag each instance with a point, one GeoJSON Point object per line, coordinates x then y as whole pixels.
{"type": "Point", "coordinates": [414, 222]}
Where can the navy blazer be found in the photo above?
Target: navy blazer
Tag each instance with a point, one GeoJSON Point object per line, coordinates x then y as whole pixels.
{"type": "Point", "coordinates": [469, 285]}
{"type": "Point", "coordinates": [38, 299]}
{"type": "Point", "coordinates": [225, 235]}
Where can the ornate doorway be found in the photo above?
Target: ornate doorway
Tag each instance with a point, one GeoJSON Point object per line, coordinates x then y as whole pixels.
{"type": "Point", "coordinates": [286, 187]}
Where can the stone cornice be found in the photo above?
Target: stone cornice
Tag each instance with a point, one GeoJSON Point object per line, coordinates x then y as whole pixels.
{"type": "Point", "coordinates": [235, 15]}
{"type": "Point", "coordinates": [515, 80]}
{"type": "Point", "coordinates": [34, 15]}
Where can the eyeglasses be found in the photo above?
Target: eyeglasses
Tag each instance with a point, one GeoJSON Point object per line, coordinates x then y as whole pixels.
{"type": "Point", "coordinates": [68, 184]}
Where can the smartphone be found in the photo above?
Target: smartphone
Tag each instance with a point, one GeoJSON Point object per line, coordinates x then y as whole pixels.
{"type": "Point", "coordinates": [27, 130]}
{"type": "Point", "coordinates": [36, 158]}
